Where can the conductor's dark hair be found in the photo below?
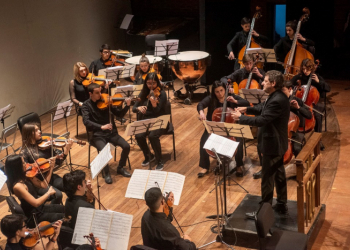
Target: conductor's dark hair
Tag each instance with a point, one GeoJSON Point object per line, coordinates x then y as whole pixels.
{"type": "Point", "coordinates": [277, 77]}
{"type": "Point", "coordinates": [72, 180]}
{"type": "Point", "coordinates": [93, 86]}
{"type": "Point", "coordinates": [245, 20]}
{"type": "Point", "coordinates": [153, 198]}
{"type": "Point", "coordinates": [292, 24]}
{"type": "Point", "coordinates": [14, 170]}
{"type": "Point", "coordinates": [10, 224]}
{"type": "Point", "coordinates": [105, 46]}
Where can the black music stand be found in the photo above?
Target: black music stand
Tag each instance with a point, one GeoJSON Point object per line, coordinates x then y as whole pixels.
{"type": "Point", "coordinates": [4, 114]}
{"type": "Point", "coordinates": [146, 126]}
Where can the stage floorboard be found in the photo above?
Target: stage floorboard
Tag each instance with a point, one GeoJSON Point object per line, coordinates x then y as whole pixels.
{"type": "Point", "coordinates": [196, 201]}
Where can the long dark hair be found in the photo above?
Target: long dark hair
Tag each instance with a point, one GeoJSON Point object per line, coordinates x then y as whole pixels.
{"type": "Point", "coordinates": [145, 90]}
{"type": "Point", "coordinates": [14, 170]}
{"type": "Point", "coordinates": [214, 99]}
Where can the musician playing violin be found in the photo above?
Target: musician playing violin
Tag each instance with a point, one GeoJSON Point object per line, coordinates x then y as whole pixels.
{"type": "Point", "coordinates": [156, 228]}
{"type": "Point", "coordinates": [75, 187]}
{"type": "Point", "coordinates": [31, 202]}
{"type": "Point", "coordinates": [105, 53]}
{"type": "Point", "coordinates": [240, 40]}
{"type": "Point", "coordinates": [104, 129]}
{"type": "Point", "coordinates": [151, 106]}
{"type": "Point", "coordinates": [144, 69]}
{"type": "Point", "coordinates": [240, 74]}
{"type": "Point", "coordinates": [284, 45]}
{"type": "Point", "coordinates": [78, 92]}
{"type": "Point", "coordinates": [216, 100]}
{"type": "Point", "coordinates": [14, 227]}
{"type": "Point", "coordinates": [31, 136]}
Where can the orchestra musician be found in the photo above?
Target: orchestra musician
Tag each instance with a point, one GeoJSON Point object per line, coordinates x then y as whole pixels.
{"type": "Point", "coordinates": [105, 53]}
{"type": "Point", "coordinates": [78, 92]}
{"type": "Point", "coordinates": [75, 187]}
{"type": "Point", "coordinates": [285, 43]}
{"type": "Point", "coordinates": [216, 100]}
{"type": "Point", "coordinates": [104, 129]}
{"type": "Point", "coordinates": [156, 228]}
{"type": "Point", "coordinates": [144, 69]}
{"type": "Point", "coordinates": [151, 106]}
{"type": "Point", "coordinates": [272, 120]}
{"type": "Point", "coordinates": [240, 40]}
{"type": "Point", "coordinates": [31, 202]}
{"type": "Point", "coordinates": [240, 74]}
{"type": "Point", "coordinates": [297, 107]}
{"type": "Point", "coordinates": [14, 227]}
{"type": "Point", "coordinates": [31, 136]}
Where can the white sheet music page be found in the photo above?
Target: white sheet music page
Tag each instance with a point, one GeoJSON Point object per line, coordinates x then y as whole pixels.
{"type": "Point", "coordinates": [101, 160]}
{"type": "Point", "coordinates": [100, 226]}
{"type": "Point", "coordinates": [4, 110]}
{"type": "Point", "coordinates": [156, 176]}
{"type": "Point", "coordinates": [3, 179]}
{"type": "Point", "coordinates": [160, 48]}
{"type": "Point", "coordinates": [137, 184]}
{"type": "Point", "coordinates": [222, 145]}
{"type": "Point", "coordinates": [63, 107]}
{"type": "Point", "coordinates": [173, 46]}
{"type": "Point", "coordinates": [174, 183]}
{"type": "Point", "coordinates": [83, 225]}
{"type": "Point", "coordinates": [119, 233]}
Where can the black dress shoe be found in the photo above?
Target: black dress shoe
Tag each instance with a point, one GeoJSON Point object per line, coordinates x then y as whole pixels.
{"type": "Point", "coordinates": [146, 162]}
{"type": "Point", "coordinates": [123, 172]}
{"type": "Point", "coordinates": [160, 166]}
{"type": "Point", "coordinates": [257, 175]}
{"type": "Point", "coordinates": [251, 215]}
{"type": "Point", "coordinates": [280, 208]}
{"type": "Point", "coordinates": [200, 175]}
{"type": "Point", "coordinates": [107, 175]}
{"type": "Point", "coordinates": [239, 171]}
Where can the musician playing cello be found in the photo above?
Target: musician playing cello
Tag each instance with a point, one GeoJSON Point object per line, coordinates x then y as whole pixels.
{"type": "Point", "coordinates": [240, 39]}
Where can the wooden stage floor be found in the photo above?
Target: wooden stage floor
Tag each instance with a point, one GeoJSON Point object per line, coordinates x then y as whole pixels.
{"type": "Point", "coordinates": [196, 202]}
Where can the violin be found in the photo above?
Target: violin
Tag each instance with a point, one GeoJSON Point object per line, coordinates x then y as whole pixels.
{"type": "Point", "coordinates": [116, 100]}
{"type": "Point", "coordinates": [155, 92]}
{"type": "Point", "coordinates": [114, 60]}
{"type": "Point", "coordinates": [59, 142]}
{"type": "Point", "coordinates": [92, 241]}
{"type": "Point", "coordinates": [44, 229]}
{"type": "Point", "coordinates": [32, 168]}
{"type": "Point", "coordinates": [100, 80]}
{"type": "Point", "coordinates": [168, 206]}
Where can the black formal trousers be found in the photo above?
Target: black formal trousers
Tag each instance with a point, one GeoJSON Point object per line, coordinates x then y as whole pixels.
{"type": "Point", "coordinates": [57, 183]}
{"type": "Point", "coordinates": [204, 161]}
{"type": "Point", "coordinates": [155, 143]}
{"type": "Point", "coordinates": [100, 141]}
{"type": "Point", "coordinates": [272, 173]}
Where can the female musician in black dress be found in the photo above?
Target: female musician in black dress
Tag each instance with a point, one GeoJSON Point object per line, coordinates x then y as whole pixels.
{"type": "Point", "coordinates": [216, 100]}
{"type": "Point", "coordinates": [31, 202]}
{"type": "Point", "coordinates": [31, 136]}
{"type": "Point", "coordinates": [144, 69]}
{"type": "Point", "coordinates": [151, 107]}
{"type": "Point", "coordinates": [78, 92]}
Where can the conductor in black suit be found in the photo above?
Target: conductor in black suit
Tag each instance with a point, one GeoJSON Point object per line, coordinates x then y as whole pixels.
{"type": "Point", "coordinates": [272, 138]}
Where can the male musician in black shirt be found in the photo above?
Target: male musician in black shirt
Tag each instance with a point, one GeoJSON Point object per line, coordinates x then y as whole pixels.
{"type": "Point", "coordinates": [240, 39]}
{"type": "Point", "coordinates": [104, 129]}
{"type": "Point", "coordinates": [272, 120]}
{"type": "Point", "coordinates": [156, 228]}
{"type": "Point", "coordinates": [75, 187]}
{"type": "Point", "coordinates": [243, 73]}
{"type": "Point", "coordinates": [105, 52]}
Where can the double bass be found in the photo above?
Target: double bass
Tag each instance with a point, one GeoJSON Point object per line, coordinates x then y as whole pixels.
{"type": "Point", "coordinates": [250, 40]}
{"type": "Point", "coordinates": [297, 53]}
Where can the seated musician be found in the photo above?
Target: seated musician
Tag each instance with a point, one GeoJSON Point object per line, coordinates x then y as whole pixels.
{"type": "Point", "coordinates": [284, 45]}
{"type": "Point", "coordinates": [156, 228]}
{"type": "Point", "coordinates": [75, 187]}
{"type": "Point", "coordinates": [243, 73]}
{"type": "Point", "coordinates": [307, 68]}
{"type": "Point", "coordinates": [31, 136]}
{"type": "Point", "coordinates": [297, 107]}
{"type": "Point", "coordinates": [31, 202]}
{"type": "Point", "coordinates": [240, 40]}
{"type": "Point", "coordinates": [151, 106]}
{"type": "Point", "coordinates": [144, 69]}
{"type": "Point", "coordinates": [14, 227]}
{"type": "Point", "coordinates": [105, 53]}
{"type": "Point", "coordinates": [104, 129]}
{"type": "Point", "coordinates": [216, 100]}
{"type": "Point", "coordinates": [78, 92]}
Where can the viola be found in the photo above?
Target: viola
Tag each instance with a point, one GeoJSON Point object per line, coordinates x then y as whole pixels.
{"type": "Point", "coordinates": [293, 125]}
{"type": "Point", "coordinates": [44, 229]}
{"type": "Point", "coordinates": [115, 100]}
{"type": "Point", "coordinates": [32, 168]}
{"type": "Point", "coordinates": [92, 241]}
{"type": "Point", "coordinates": [91, 78]}
{"type": "Point", "coordinates": [59, 142]}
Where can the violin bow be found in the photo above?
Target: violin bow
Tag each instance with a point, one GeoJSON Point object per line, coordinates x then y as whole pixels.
{"type": "Point", "coordinates": [37, 228]}
{"type": "Point", "coordinates": [170, 211]}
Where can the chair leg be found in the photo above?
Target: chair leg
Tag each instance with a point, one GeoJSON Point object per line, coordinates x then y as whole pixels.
{"type": "Point", "coordinates": [77, 126]}
{"type": "Point", "coordinates": [174, 146]}
{"type": "Point", "coordinates": [325, 114]}
{"type": "Point", "coordinates": [89, 156]}
{"type": "Point", "coordinates": [115, 153]}
{"type": "Point", "coordinates": [129, 163]}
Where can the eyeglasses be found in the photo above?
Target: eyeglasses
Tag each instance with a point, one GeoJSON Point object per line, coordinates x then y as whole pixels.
{"type": "Point", "coordinates": [106, 52]}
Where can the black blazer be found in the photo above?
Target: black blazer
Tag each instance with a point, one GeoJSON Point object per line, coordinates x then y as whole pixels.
{"type": "Point", "coordinates": [272, 122]}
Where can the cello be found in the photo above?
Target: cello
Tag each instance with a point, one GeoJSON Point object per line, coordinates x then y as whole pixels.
{"type": "Point", "coordinates": [293, 125]}
{"type": "Point", "coordinates": [250, 40]}
{"type": "Point", "coordinates": [250, 83]}
{"type": "Point", "coordinates": [297, 52]}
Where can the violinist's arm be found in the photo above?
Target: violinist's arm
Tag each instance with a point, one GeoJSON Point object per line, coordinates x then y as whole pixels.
{"type": "Point", "coordinates": [160, 106]}
{"type": "Point", "coordinates": [90, 125]}
{"type": "Point", "coordinates": [72, 93]}
{"type": "Point", "coordinates": [21, 192]}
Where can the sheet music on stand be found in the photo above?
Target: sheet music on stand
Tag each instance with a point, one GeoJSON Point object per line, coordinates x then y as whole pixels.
{"type": "Point", "coordinates": [166, 47]}
{"type": "Point", "coordinates": [3, 179]}
{"type": "Point", "coordinates": [142, 126]}
{"type": "Point", "coordinates": [231, 129]}
{"type": "Point", "coordinates": [265, 55]}
{"type": "Point", "coordinates": [142, 180]}
{"type": "Point", "coordinates": [63, 109]}
{"type": "Point", "coordinates": [222, 145]}
{"type": "Point", "coordinates": [101, 160]}
{"type": "Point", "coordinates": [112, 228]}
{"type": "Point", "coordinates": [118, 72]}
{"type": "Point", "coordinates": [125, 91]}
{"type": "Point", "coordinates": [254, 96]}
{"type": "Point", "coordinates": [6, 111]}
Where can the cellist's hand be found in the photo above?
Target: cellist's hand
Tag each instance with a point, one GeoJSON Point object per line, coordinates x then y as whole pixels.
{"type": "Point", "coordinates": [257, 72]}
{"type": "Point", "coordinates": [142, 109]}
{"type": "Point", "coordinates": [231, 99]}
{"type": "Point", "coordinates": [294, 104]}
{"type": "Point", "coordinates": [315, 78]}
{"type": "Point", "coordinates": [300, 37]}
{"type": "Point", "coordinates": [231, 56]}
